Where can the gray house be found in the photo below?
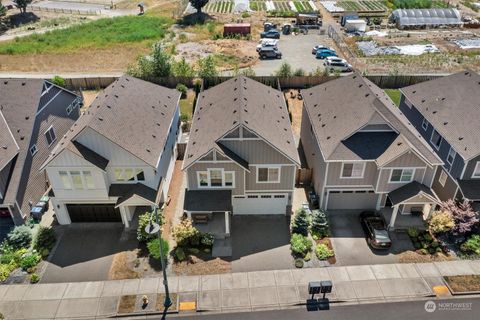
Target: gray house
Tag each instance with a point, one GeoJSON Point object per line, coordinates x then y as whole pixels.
{"type": "Point", "coordinates": [363, 152]}
{"type": "Point", "coordinates": [446, 111]}
{"type": "Point", "coordinates": [241, 156]}
{"type": "Point", "coordinates": [34, 114]}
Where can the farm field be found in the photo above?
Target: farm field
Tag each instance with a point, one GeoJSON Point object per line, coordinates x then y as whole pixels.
{"type": "Point", "coordinates": [373, 5]}
{"type": "Point", "coordinates": [300, 6]}
{"type": "Point", "coordinates": [219, 6]}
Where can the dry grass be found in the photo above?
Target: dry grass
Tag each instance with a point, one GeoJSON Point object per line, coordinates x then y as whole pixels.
{"type": "Point", "coordinates": [88, 97]}
{"type": "Point", "coordinates": [161, 298]}
{"type": "Point", "coordinates": [120, 269]}
{"type": "Point", "coordinates": [467, 283]}
{"type": "Point", "coordinates": [127, 304]}
{"type": "Point", "coordinates": [414, 257]}
{"type": "Point", "coordinates": [197, 266]}
{"type": "Point", "coordinates": [295, 107]}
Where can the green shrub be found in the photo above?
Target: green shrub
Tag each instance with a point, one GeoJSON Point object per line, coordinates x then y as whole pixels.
{"type": "Point", "coordinates": [183, 89]}
{"type": "Point", "coordinates": [180, 254]}
{"type": "Point", "coordinates": [440, 222]}
{"type": "Point", "coordinates": [322, 252]}
{"type": "Point", "coordinates": [413, 232]}
{"type": "Point", "coordinates": [427, 237]}
{"type": "Point", "coordinates": [472, 245]}
{"type": "Point", "coordinates": [44, 240]}
{"type": "Point", "coordinates": [30, 261]}
{"type": "Point", "coordinates": [184, 117]}
{"type": "Point", "coordinates": [307, 257]}
{"type": "Point", "coordinates": [154, 248]}
{"type": "Point", "coordinates": [207, 239]}
{"type": "Point", "coordinates": [300, 244]}
{"type": "Point", "coordinates": [143, 221]}
{"type": "Point", "coordinates": [423, 251]}
{"type": "Point", "coordinates": [185, 233]}
{"type": "Point", "coordinates": [417, 245]}
{"type": "Point", "coordinates": [301, 223]}
{"type": "Point", "coordinates": [319, 226]}
{"type": "Point", "coordinates": [20, 237]}
{"type": "Point", "coordinates": [34, 278]}
{"type": "Point", "coordinates": [298, 263]}
{"type": "Point", "coordinates": [59, 81]}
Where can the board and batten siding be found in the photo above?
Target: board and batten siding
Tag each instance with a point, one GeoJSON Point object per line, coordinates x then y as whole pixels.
{"type": "Point", "coordinates": [313, 155]}
{"type": "Point", "coordinates": [444, 192]}
{"type": "Point", "coordinates": [287, 174]}
{"type": "Point", "coordinates": [407, 160]}
{"type": "Point", "coordinates": [335, 171]}
{"type": "Point", "coordinates": [256, 151]}
{"type": "Point", "coordinates": [384, 184]}
{"type": "Point", "coordinates": [202, 166]}
{"type": "Point", "coordinates": [470, 168]}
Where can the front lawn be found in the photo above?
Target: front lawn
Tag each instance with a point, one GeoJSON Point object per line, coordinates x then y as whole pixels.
{"type": "Point", "coordinates": [101, 33]}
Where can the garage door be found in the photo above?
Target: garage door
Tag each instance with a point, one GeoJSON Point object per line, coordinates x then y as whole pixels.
{"type": "Point", "coordinates": [260, 204]}
{"type": "Point", "coordinates": [94, 213]}
{"type": "Point", "coordinates": [351, 200]}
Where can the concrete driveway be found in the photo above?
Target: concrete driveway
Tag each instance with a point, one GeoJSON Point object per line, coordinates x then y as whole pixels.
{"type": "Point", "coordinates": [85, 251]}
{"type": "Point", "coordinates": [351, 248]}
{"type": "Point", "coordinates": [260, 243]}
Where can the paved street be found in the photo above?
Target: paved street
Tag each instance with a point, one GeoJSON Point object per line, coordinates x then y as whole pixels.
{"type": "Point", "coordinates": [470, 307]}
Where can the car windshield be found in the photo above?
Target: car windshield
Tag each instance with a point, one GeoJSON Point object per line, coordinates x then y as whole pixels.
{"type": "Point", "coordinates": [381, 235]}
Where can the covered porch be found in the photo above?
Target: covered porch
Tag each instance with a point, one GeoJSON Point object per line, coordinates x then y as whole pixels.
{"type": "Point", "coordinates": [412, 204]}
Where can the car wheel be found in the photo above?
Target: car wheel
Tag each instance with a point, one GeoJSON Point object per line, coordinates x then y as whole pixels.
{"type": "Point", "coordinates": [279, 57]}
{"type": "Point", "coordinates": [263, 57]}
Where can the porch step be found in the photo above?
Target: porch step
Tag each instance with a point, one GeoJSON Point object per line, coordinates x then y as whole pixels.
{"type": "Point", "coordinates": [222, 248]}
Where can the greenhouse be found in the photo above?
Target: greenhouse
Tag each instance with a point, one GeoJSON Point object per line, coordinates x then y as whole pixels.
{"type": "Point", "coordinates": [412, 18]}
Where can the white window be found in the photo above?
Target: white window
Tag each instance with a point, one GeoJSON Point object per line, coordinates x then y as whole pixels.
{"type": "Point", "coordinates": [451, 155]}
{"type": "Point", "coordinates": [50, 135]}
{"type": "Point", "coordinates": [436, 139]}
{"type": "Point", "coordinates": [87, 176]}
{"type": "Point", "coordinates": [424, 124]}
{"type": "Point", "coordinates": [78, 180]}
{"type": "Point", "coordinates": [443, 178]}
{"type": "Point", "coordinates": [216, 178]}
{"type": "Point", "coordinates": [268, 174]}
{"type": "Point", "coordinates": [69, 109]}
{"type": "Point", "coordinates": [476, 172]}
{"type": "Point", "coordinates": [33, 150]}
{"type": "Point", "coordinates": [129, 174]}
{"type": "Point", "coordinates": [402, 175]}
{"type": "Point", "coordinates": [67, 184]}
{"type": "Point", "coordinates": [353, 170]}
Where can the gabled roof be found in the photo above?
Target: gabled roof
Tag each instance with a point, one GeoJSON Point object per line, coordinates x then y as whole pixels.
{"type": "Point", "coordinates": [452, 105]}
{"type": "Point", "coordinates": [240, 101]}
{"type": "Point", "coordinates": [340, 108]}
{"type": "Point", "coordinates": [88, 154]}
{"type": "Point", "coordinates": [125, 191]}
{"type": "Point", "coordinates": [411, 190]}
{"type": "Point", "coordinates": [132, 113]}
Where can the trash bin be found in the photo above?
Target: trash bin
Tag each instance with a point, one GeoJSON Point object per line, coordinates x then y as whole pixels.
{"type": "Point", "coordinates": [37, 213]}
{"type": "Point", "coordinates": [46, 200]}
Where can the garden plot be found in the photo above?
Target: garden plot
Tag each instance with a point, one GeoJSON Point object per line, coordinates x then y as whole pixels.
{"type": "Point", "coordinates": [284, 6]}
{"type": "Point", "coordinates": [371, 48]}
{"type": "Point", "coordinates": [219, 6]}
{"type": "Point", "coordinates": [363, 6]}
{"type": "Point", "coordinates": [468, 43]}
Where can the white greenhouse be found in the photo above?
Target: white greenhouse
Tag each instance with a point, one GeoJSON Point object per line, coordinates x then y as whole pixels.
{"type": "Point", "coordinates": [414, 18]}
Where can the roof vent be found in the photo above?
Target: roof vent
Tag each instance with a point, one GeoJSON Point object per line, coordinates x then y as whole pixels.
{"type": "Point", "coordinates": [158, 124]}
{"type": "Point", "coordinates": [235, 122]}
{"type": "Point", "coordinates": [22, 137]}
{"type": "Point", "coordinates": [196, 130]}
{"type": "Point", "coordinates": [360, 85]}
{"type": "Point", "coordinates": [323, 125]}
{"type": "Point", "coordinates": [5, 147]}
{"type": "Point", "coordinates": [315, 105]}
{"type": "Point", "coordinates": [467, 73]}
{"type": "Point", "coordinates": [445, 123]}
{"type": "Point", "coordinates": [193, 143]}
{"type": "Point", "coordinates": [443, 98]}
{"type": "Point", "coordinates": [423, 100]}
{"type": "Point", "coordinates": [122, 86]}
{"type": "Point", "coordinates": [148, 150]}
{"type": "Point", "coordinates": [198, 118]}
{"type": "Point", "coordinates": [23, 83]}
{"type": "Point", "coordinates": [354, 77]}
{"type": "Point", "coordinates": [235, 89]}
{"type": "Point", "coordinates": [245, 110]}
{"type": "Point", "coordinates": [235, 99]}
{"type": "Point", "coordinates": [399, 144]}
{"type": "Point", "coordinates": [288, 141]}
{"type": "Point", "coordinates": [27, 117]}
{"type": "Point", "coordinates": [165, 106]}
{"type": "Point", "coordinates": [283, 117]}
{"type": "Point", "coordinates": [334, 117]}
{"type": "Point", "coordinates": [127, 79]}
{"type": "Point", "coordinates": [434, 112]}
{"type": "Point", "coordinates": [5, 82]}
{"type": "Point", "coordinates": [109, 107]}
{"type": "Point", "coordinates": [328, 138]}
{"type": "Point", "coordinates": [285, 129]}
{"type": "Point", "coordinates": [169, 97]}
{"type": "Point", "coordinates": [100, 118]}
{"type": "Point", "coordinates": [366, 95]}
{"type": "Point", "coordinates": [246, 121]}
{"type": "Point", "coordinates": [153, 107]}
{"type": "Point", "coordinates": [235, 111]}
{"type": "Point", "coordinates": [116, 96]}
{"type": "Point", "coordinates": [414, 91]}
{"type": "Point", "coordinates": [154, 136]}
{"type": "Point", "coordinates": [311, 93]}
{"type": "Point", "coordinates": [162, 113]}
{"type": "Point", "coordinates": [460, 138]}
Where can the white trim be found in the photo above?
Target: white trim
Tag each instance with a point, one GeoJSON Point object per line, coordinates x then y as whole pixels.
{"type": "Point", "coordinates": [425, 121]}
{"type": "Point", "coordinates": [406, 168]}
{"type": "Point", "coordinates": [268, 167]}
{"type": "Point", "coordinates": [34, 146]}
{"type": "Point", "coordinates": [209, 186]}
{"type": "Point", "coordinates": [477, 168]}
{"type": "Point", "coordinates": [252, 191]}
{"type": "Point", "coordinates": [379, 173]}
{"type": "Point", "coordinates": [453, 157]}
{"type": "Point", "coordinates": [443, 176]}
{"type": "Point", "coordinates": [433, 144]}
{"type": "Point", "coordinates": [350, 186]}
{"type": "Point", "coordinates": [434, 175]}
{"type": "Point", "coordinates": [465, 163]}
{"type": "Point", "coordinates": [55, 135]}
{"type": "Point", "coordinates": [417, 203]}
{"type": "Point", "coordinates": [135, 169]}
{"type": "Point", "coordinates": [48, 102]}
{"type": "Point", "coordinates": [353, 165]}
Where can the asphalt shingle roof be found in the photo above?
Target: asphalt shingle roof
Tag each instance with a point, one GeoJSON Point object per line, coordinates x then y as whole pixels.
{"type": "Point", "coordinates": [409, 191]}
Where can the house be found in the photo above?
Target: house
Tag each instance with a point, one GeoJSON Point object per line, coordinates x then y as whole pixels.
{"type": "Point", "coordinates": [34, 114]}
{"type": "Point", "coordinates": [446, 112]}
{"type": "Point", "coordinates": [241, 157]}
{"type": "Point", "coordinates": [364, 154]}
{"type": "Point", "coordinates": [118, 158]}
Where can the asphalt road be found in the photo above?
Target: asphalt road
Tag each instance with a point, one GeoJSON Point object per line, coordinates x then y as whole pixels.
{"type": "Point", "coordinates": [467, 308]}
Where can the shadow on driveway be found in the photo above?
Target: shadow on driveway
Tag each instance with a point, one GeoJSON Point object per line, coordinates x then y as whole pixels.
{"type": "Point", "coordinates": [85, 251]}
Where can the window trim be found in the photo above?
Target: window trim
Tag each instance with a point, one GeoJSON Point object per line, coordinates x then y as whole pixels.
{"type": "Point", "coordinates": [476, 169]}
{"type": "Point", "coordinates": [82, 174]}
{"type": "Point", "coordinates": [441, 139]}
{"type": "Point", "coordinates": [50, 129]}
{"type": "Point", "coordinates": [268, 168]}
{"type": "Point", "coordinates": [403, 169]}
{"type": "Point", "coordinates": [35, 150]}
{"type": "Point", "coordinates": [209, 186]}
{"type": "Point", "coordinates": [353, 165]}
{"type": "Point", "coordinates": [453, 157]}
{"type": "Point", "coordinates": [425, 124]}
{"type": "Point", "coordinates": [443, 176]}
{"type": "Point", "coordinates": [135, 173]}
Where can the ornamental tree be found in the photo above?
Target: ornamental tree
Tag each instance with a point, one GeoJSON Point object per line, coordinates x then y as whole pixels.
{"type": "Point", "coordinates": [464, 217]}
{"type": "Point", "coordinates": [22, 5]}
{"type": "Point", "coordinates": [198, 4]}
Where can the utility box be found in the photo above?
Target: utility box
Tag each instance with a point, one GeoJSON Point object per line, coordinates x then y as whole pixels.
{"type": "Point", "coordinates": [232, 29]}
{"type": "Point", "coordinates": [314, 287]}
{"type": "Point", "coordinates": [326, 286]}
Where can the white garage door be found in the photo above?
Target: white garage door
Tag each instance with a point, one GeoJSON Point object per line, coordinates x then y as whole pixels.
{"type": "Point", "coordinates": [351, 200]}
{"type": "Point", "coordinates": [260, 204]}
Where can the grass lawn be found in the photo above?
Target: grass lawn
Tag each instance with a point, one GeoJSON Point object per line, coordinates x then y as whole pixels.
{"type": "Point", "coordinates": [394, 94]}
{"type": "Point", "coordinates": [101, 33]}
{"type": "Point", "coordinates": [186, 105]}
{"type": "Point", "coordinates": [464, 283]}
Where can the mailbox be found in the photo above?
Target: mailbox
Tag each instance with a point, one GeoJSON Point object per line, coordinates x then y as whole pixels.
{"type": "Point", "coordinates": [326, 286]}
{"type": "Point", "coordinates": [314, 287]}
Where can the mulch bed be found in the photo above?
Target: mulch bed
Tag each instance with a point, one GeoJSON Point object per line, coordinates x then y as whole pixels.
{"type": "Point", "coordinates": [201, 263]}
{"type": "Point", "coordinates": [326, 241]}
{"type": "Point", "coordinates": [127, 304]}
{"type": "Point", "coordinates": [463, 284]}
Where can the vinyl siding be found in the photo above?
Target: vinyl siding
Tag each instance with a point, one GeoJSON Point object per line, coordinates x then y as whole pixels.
{"type": "Point", "coordinates": [384, 184]}
{"type": "Point", "coordinates": [256, 151]}
{"type": "Point", "coordinates": [409, 159]}
{"type": "Point", "coordinates": [429, 174]}
{"type": "Point", "coordinates": [199, 166]}
{"type": "Point", "coordinates": [287, 174]}
{"type": "Point", "coordinates": [446, 192]}
{"type": "Point", "coordinates": [470, 168]}
{"type": "Point", "coordinates": [335, 170]}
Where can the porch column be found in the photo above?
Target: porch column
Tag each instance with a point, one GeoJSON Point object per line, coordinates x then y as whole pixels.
{"type": "Point", "coordinates": [189, 214]}
{"type": "Point", "coordinates": [393, 217]}
{"type": "Point", "coordinates": [379, 202]}
{"type": "Point", "coordinates": [227, 223]}
{"type": "Point", "coordinates": [125, 221]}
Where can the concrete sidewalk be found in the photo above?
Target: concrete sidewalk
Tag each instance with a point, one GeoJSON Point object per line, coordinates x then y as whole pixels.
{"type": "Point", "coordinates": [232, 292]}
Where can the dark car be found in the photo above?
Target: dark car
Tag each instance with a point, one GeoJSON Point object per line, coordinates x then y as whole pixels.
{"type": "Point", "coordinates": [269, 52]}
{"type": "Point", "coordinates": [375, 229]}
{"type": "Point", "coordinates": [272, 34]}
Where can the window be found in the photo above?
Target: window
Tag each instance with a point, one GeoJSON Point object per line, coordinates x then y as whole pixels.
{"type": "Point", "coordinates": [476, 172]}
{"type": "Point", "coordinates": [265, 196]}
{"type": "Point", "coordinates": [436, 139]}
{"type": "Point", "coordinates": [67, 184]}
{"type": "Point", "coordinates": [50, 135]}
{"type": "Point", "coordinates": [216, 178]}
{"type": "Point", "coordinates": [268, 175]}
{"type": "Point", "coordinates": [279, 196]}
{"type": "Point", "coordinates": [402, 175]}
{"type": "Point", "coordinates": [118, 175]}
{"type": "Point", "coordinates": [87, 175]}
{"type": "Point", "coordinates": [203, 179]}
{"type": "Point", "coordinates": [140, 175]}
{"type": "Point", "coordinates": [33, 150]}
{"type": "Point", "coordinates": [69, 109]}
{"type": "Point", "coordinates": [129, 174]}
{"type": "Point", "coordinates": [424, 124]}
{"type": "Point", "coordinates": [77, 180]}
{"type": "Point", "coordinates": [228, 179]}
{"type": "Point", "coordinates": [353, 170]}
{"type": "Point", "coordinates": [443, 178]}
{"type": "Point", "coordinates": [451, 155]}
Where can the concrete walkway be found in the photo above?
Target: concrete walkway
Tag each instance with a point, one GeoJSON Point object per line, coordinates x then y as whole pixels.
{"type": "Point", "coordinates": [232, 292]}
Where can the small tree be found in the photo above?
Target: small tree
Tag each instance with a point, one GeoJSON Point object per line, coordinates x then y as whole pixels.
{"type": "Point", "coordinates": [299, 72]}
{"type": "Point", "coordinates": [184, 231]}
{"type": "Point", "coordinates": [22, 5]}
{"type": "Point", "coordinates": [182, 69]}
{"type": "Point", "coordinates": [59, 81]}
{"type": "Point", "coordinates": [207, 67]}
{"type": "Point", "coordinates": [198, 4]}
{"type": "Point", "coordinates": [285, 70]}
{"type": "Point", "coordinates": [158, 64]}
{"type": "Point", "coordinates": [154, 248]}
{"type": "Point", "coordinates": [440, 222]}
{"type": "Point", "coordinates": [143, 221]}
{"type": "Point", "coordinates": [463, 216]}
{"type": "Point", "coordinates": [319, 227]}
{"type": "Point", "coordinates": [20, 237]}
{"type": "Point", "coordinates": [300, 222]}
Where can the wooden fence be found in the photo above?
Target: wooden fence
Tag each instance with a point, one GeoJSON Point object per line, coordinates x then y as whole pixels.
{"type": "Point", "coordinates": [303, 177]}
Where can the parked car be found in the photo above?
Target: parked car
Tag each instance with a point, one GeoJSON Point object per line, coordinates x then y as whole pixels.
{"type": "Point", "coordinates": [375, 229]}
{"type": "Point", "coordinates": [271, 34]}
{"type": "Point", "coordinates": [267, 43]}
{"type": "Point", "coordinates": [337, 64]}
{"type": "Point", "coordinates": [320, 46]}
{"type": "Point", "coordinates": [269, 52]}
{"type": "Point", "coordinates": [323, 53]}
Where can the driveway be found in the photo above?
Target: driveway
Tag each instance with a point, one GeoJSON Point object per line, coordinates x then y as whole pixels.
{"type": "Point", "coordinates": [85, 251]}
{"type": "Point", "coordinates": [260, 243]}
{"type": "Point", "coordinates": [349, 243]}
{"type": "Point", "coordinates": [297, 51]}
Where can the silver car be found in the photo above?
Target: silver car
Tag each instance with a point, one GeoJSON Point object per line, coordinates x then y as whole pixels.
{"type": "Point", "coordinates": [333, 64]}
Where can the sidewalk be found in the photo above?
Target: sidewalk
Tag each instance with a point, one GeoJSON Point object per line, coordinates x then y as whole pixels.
{"type": "Point", "coordinates": [249, 291]}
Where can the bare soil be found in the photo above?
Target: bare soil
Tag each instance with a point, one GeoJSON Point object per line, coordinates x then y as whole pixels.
{"type": "Point", "coordinates": [295, 108]}
{"type": "Point", "coordinates": [415, 257]}
{"type": "Point", "coordinates": [467, 283]}
{"type": "Point", "coordinates": [201, 263]}
{"type": "Point", "coordinates": [88, 97]}
{"type": "Point", "coordinates": [127, 304]}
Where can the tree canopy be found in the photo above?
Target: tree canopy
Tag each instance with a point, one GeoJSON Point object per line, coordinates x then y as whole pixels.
{"type": "Point", "coordinates": [22, 4]}
{"type": "Point", "coordinates": [198, 4]}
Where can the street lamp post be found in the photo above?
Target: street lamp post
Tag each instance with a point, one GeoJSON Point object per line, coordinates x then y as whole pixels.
{"type": "Point", "coordinates": [151, 228]}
